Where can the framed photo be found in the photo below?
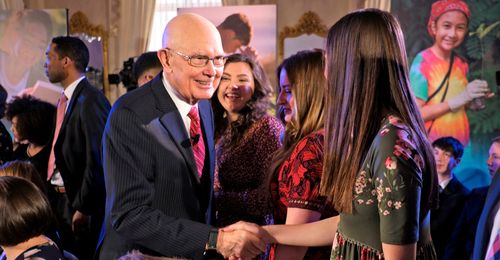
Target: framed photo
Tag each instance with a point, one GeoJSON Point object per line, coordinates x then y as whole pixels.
{"type": "Point", "coordinates": [24, 37]}
{"type": "Point", "coordinates": [247, 29]}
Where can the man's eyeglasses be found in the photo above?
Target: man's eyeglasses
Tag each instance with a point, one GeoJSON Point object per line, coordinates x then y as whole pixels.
{"type": "Point", "coordinates": [200, 60]}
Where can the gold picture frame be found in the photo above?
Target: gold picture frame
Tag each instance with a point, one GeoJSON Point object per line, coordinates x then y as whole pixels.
{"type": "Point", "coordinates": [309, 23]}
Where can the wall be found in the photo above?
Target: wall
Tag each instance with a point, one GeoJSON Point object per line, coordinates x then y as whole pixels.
{"type": "Point", "coordinates": [95, 10]}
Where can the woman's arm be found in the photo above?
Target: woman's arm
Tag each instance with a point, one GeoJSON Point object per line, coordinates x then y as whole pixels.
{"type": "Point", "coordinates": [319, 233]}
{"type": "Point", "coordinates": [399, 252]}
{"type": "Point", "coordinates": [296, 216]}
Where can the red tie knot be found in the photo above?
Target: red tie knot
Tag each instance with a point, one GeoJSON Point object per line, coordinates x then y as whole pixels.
{"type": "Point", "coordinates": [193, 114]}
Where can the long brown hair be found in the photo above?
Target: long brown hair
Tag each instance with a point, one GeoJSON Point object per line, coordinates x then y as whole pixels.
{"type": "Point", "coordinates": [305, 74]}
{"type": "Point", "coordinates": [367, 78]}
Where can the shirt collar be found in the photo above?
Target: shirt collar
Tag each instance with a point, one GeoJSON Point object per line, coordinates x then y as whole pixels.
{"type": "Point", "coordinates": [182, 106]}
{"type": "Point", "coordinates": [444, 183]}
{"type": "Point", "coordinates": [68, 92]}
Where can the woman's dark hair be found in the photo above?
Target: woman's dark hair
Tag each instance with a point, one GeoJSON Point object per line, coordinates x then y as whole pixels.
{"type": "Point", "coordinates": [23, 169]}
{"type": "Point", "coordinates": [367, 78]}
{"type": "Point", "coordinates": [35, 119]}
{"type": "Point", "coordinates": [24, 211]}
{"type": "Point", "coordinates": [255, 108]}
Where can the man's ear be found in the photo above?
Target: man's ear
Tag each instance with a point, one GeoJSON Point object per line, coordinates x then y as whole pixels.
{"type": "Point", "coordinates": [149, 76]}
{"type": "Point", "coordinates": [67, 61]}
{"type": "Point", "coordinates": [164, 57]}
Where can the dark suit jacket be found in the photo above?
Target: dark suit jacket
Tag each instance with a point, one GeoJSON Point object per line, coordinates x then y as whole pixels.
{"type": "Point", "coordinates": [462, 239]}
{"type": "Point", "coordinates": [445, 217]}
{"type": "Point", "coordinates": [155, 200]}
{"type": "Point", "coordinates": [78, 149]}
{"type": "Point", "coordinates": [483, 228]}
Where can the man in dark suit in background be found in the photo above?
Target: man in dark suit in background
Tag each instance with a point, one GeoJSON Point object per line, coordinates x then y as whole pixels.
{"type": "Point", "coordinates": [484, 238]}
{"type": "Point", "coordinates": [146, 67]}
{"type": "Point", "coordinates": [462, 238]}
{"type": "Point", "coordinates": [75, 168]}
{"type": "Point", "coordinates": [452, 193]}
{"type": "Point", "coordinates": [159, 155]}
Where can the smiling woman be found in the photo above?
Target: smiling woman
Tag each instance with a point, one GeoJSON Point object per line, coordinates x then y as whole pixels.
{"type": "Point", "coordinates": [246, 137]}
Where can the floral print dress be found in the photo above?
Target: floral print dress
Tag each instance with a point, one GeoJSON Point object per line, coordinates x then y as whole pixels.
{"type": "Point", "coordinates": [386, 199]}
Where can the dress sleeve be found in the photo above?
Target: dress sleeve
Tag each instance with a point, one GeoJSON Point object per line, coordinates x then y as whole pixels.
{"type": "Point", "coordinates": [418, 81]}
{"type": "Point", "coordinates": [305, 167]}
{"type": "Point", "coordinates": [398, 182]}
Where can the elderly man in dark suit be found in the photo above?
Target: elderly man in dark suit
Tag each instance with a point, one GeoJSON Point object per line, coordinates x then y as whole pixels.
{"type": "Point", "coordinates": [159, 156]}
{"type": "Point", "coordinates": [75, 168]}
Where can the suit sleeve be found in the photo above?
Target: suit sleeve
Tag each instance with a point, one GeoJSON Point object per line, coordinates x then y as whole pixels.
{"type": "Point", "coordinates": [93, 119]}
{"type": "Point", "coordinates": [130, 166]}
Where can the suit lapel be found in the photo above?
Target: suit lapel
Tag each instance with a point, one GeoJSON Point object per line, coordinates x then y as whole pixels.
{"type": "Point", "coordinates": [206, 124]}
{"type": "Point", "coordinates": [171, 120]}
{"type": "Point", "coordinates": [72, 103]}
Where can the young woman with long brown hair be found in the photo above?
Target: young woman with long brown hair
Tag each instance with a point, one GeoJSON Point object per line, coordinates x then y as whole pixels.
{"type": "Point", "coordinates": [379, 169]}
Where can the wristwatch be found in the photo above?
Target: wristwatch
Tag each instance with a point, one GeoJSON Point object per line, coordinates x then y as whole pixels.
{"type": "Point", "coordinates": [212, 239]}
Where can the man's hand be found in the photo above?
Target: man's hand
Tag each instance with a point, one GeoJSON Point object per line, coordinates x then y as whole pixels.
{"type": "Point", "coordinates": [80, 222]}
{"type": "Point", "coordinates": [252, 228]}
{"type": "Point", "coordinates": [240, 244]}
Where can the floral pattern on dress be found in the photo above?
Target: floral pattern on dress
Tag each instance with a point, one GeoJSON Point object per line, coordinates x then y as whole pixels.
{"type": "Point", "coordinates": [365, 189]}
{"type": "Point", "coordinates": [386, 197]}
{"type": "Point", "coordinates": [392, 181]}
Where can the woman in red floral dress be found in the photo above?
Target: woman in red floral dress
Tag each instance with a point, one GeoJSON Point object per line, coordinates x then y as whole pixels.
{"type": "Point", "coordinates": [297, 166]}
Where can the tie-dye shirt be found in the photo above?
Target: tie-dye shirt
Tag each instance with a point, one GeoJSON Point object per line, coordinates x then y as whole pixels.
{"type": "Point", "coordinates": [426, 74]}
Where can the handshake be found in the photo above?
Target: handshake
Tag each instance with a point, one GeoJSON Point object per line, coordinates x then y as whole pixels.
{"type": "Point", "coordinates": [243, 240]}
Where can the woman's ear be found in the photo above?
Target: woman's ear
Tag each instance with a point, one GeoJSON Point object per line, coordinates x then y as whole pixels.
{"type": "Point", "coordinates": [434, 27]}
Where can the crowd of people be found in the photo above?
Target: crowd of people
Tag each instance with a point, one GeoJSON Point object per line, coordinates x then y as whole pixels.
{"type": "Point", "coordinates": [197, 163]}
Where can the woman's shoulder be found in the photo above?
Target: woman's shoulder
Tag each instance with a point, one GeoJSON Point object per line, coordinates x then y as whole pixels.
{"type": "Point", "coordinates": [423, 54]}
{"type": "Point", "coordinates": [268, 120]}
{"type": "Point", "coordinates": [48, 250]}
{"type": "Point", "coordinates": [317, 136]}
{"type": "Point", "coordinates": [392, 132]}
{"type": "Point", "coordinates": [396, 138]}
{"type": "Point", "coordinates": [267, 124]}
{"type": "Point", "coordinates": [311, 142]}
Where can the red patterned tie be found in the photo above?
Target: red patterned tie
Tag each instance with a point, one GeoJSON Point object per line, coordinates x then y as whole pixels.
{"type": "Point", "coordinates": [197, 139]}
{"type": "Point", "coordinates": [61, 108]}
